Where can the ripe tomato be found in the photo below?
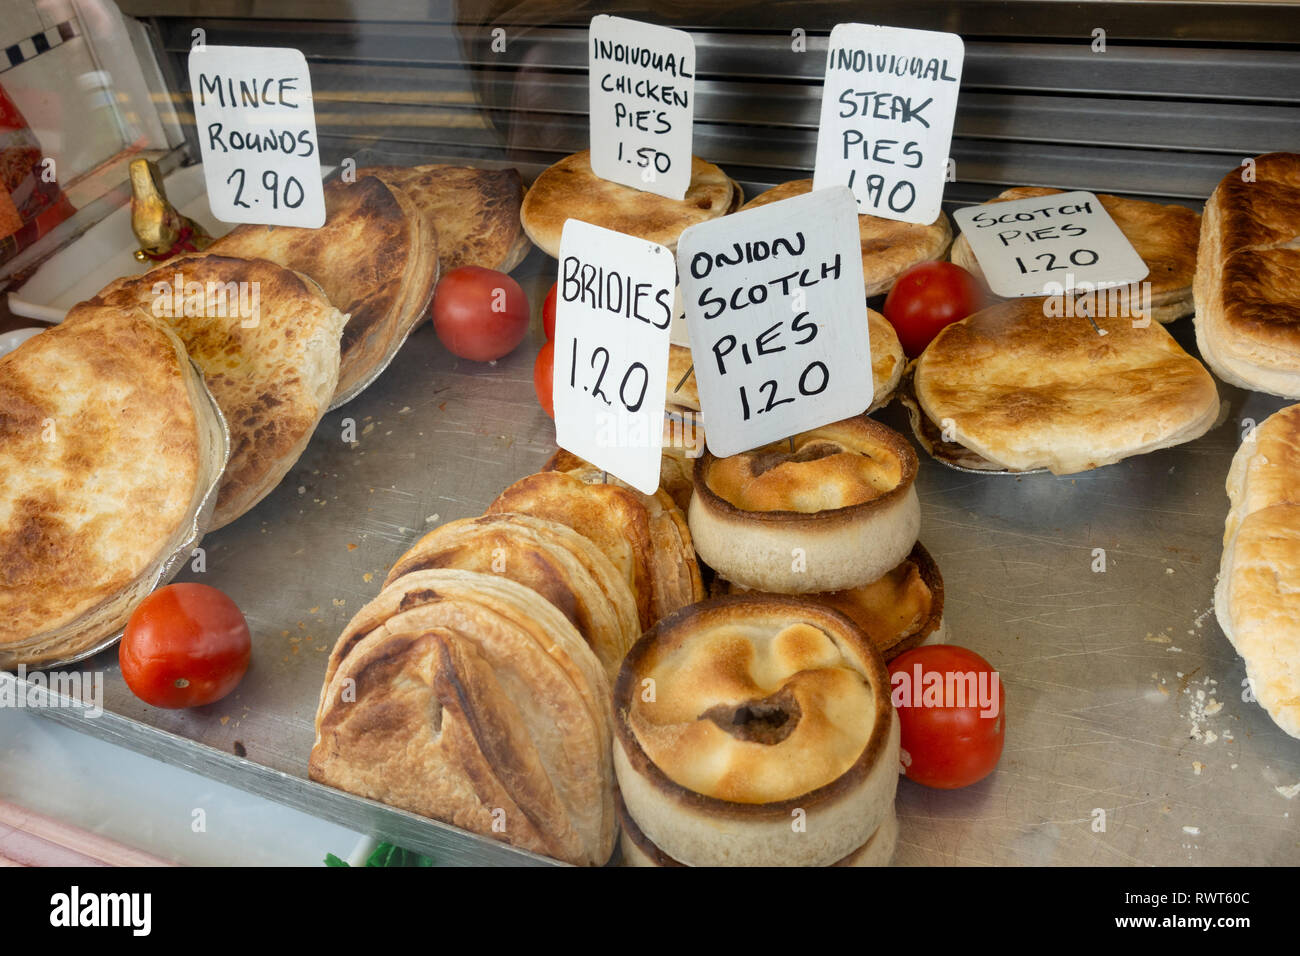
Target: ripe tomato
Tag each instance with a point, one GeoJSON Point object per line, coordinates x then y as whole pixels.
{"type": "Point", "coordinates": [952, 728]}
{"type": "Point", "coordinates": [927, 298]}
{"type": "Point", "coordinates": [543, 375]}
{"type": "Point", "coordinates": [479, 314]}
{"type": "Point", "coordinates": [186, 645]}
{"type": "Point", "coordinates": [548, 312]}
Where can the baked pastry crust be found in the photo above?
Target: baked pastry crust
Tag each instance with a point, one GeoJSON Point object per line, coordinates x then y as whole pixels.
{"type": "Point", "coordinates": [1026, 391]}
{"type": "Point", "coordinates": [636, 849]}
{"type": "Point", "coordinates": [457, 695]}
{"type": "Point", "coordinates": [763, 708]}
{"type": "Point", "coordinates": [376, 257]}
{"type": "Point", "coordinates": [1257, 597]}
{"type": "Point", "coordinates": [109, 447]}
{"type": "Point", "coordinates": [1248, 278]}
{"type": "Point", "coordinates": [889, 247]}
{"type": "Point", "coordinates": [814, 519]}
{"type": "Point", "coordinates": [547, 557]}
{"type": "Point", "coordinates": [1164, 235]}
{"type": "Point", "coordinates": [473, 212]}
{"type": "Point", "coordinates": [900, 610]}
{"type": "Point", "coordinates": [273, 380]}
{"type": "Point", "coordinates": [570, 190]}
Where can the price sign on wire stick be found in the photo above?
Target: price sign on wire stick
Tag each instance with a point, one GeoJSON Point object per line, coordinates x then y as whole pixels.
{"type": "Point", "coordinates": [888, 104]}
{"type": "Point", "coordinates": [642, 104]}
{"type": "Point", "coordinates": [257, 134]}
{"type": "Point", "coordinates": [613, 310]}
{"type": "Point", "coordinates": [1049, 244]}
{"type": "Point", "coordinates": [777, 319]}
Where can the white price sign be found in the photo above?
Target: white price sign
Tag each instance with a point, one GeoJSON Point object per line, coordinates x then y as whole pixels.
{"type": "Point", "coordinates": [257, 133]}
{"type": "Point", "coordinates": [613, 310]}
{"type": "Point", "coordinates": [777, 318]}
{"type": "Point", "coordinates": [1049, 244]}
{"type": "Point", "coordinates": [642, 104]}
{"type": "Point", "coordinates": [888, 104]}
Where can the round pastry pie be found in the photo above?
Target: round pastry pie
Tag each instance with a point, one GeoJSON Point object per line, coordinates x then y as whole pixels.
{"type": "Point", "coordinates": [570, 190]}
{"type": "Point", "coordinates": [889, 248]}
{"type": "Point", "coordinates": [830, 508]}
{"type": "Point", "coordinates": [898, 611]}
{"type": "Point", "coordinates": [637, 850]}
{"type": "Point", "coordinates": [756, 731]}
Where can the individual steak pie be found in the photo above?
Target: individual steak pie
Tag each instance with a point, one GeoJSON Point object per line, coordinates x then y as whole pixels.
{"type": "Point", "coordinates": [110, 451]}
{"type": "Point", "coordinates": [898, 611]}
{"type": "Point", "coordinates": [570, 190]}
{"type": "Point", "coordinates": [555, 561]}
{"type": "Point", "coordinates": [468, 698]}
{"type": "Point", "coordinates": [756, 731]}
{"type": "Point", "coordinates": [1163, 234]}
{"type": "Point", "coordinates": [1022, 390]}
{"type": "Point", "coordinates": [376, 257]}
{"type": "Point", "coordinates": [889, 247]}
{"type": "Point", "coordinates": [273, 371]}
{"type": "Point", "coordinates": [831, 508]}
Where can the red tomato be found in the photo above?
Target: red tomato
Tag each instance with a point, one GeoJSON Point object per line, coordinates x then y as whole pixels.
{"type": "Point", "coordinates": [548, 312]}
{"type": "Point", "coordinates": [927, 298]}
{"type": "Point", "coordinates": [479, 314]}
{"type": "Point", "coordinates": [945, 745]}
{"type": "Point", "coordinates": [543, 375]}
{"type": "Point", "coordinates": [186, 645]}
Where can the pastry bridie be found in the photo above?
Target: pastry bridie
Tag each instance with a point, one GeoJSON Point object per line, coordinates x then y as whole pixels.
{"type": "Point", "coordinates": [272, 371]}
{"type": "Point", "coordinates": [555, 561]}
{"type": "Point", "coordinates": [889, 247]}
{"type": "Point", "coordinates": [110, 451]}
{"type": "Point", "coordinates": [636, 849]}
{"type": "Point", "coordinates": [1164, 235]}
{"type": "Point", "coordinates": [468, 698]}
{"type": "Point", "coordinates": [898, 611]}
{"type": "Point", "coordinates": [570, 190]}
{"type": "Point", "coordinates": [1257, 597]}
{"type": "Point", "coordinates": [830, 508]}
{"type": "Point", "coordinates": [376, 257]}
{"type": "Point", "coordinates": [756, 731]}
{"type": "Point", "coordinates": [1021, 390]}
{"type": "Point", "coordinates": [1248, 278]}
{"type": "Point", "coordinates": [887, 364]}
{"type": "Point", "coordinates": [474, 212]}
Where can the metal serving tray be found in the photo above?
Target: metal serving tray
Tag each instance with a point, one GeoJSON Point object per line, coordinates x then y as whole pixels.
{"type": "Point", "coordinates": [1128, 740]}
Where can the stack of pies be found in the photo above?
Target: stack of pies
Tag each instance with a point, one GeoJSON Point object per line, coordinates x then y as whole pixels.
{"type": "Point", "coordinates": [467, 698]}
{"type": "Point", "coordinates": [756, 731]}
{"type": "Point", "coordinates": [376, 257]}
{"type": "Point", "coordinates": [110, 451]}
{"type": "Point", "coordinates": [831, 515]}
{"type": "Point", "coordinates": [570, 190]}
{"type": "Point", "coordinates": [1257, 598]}
{"type": "Point", "coordinates": [1163, 235]}
{"type": "Point", "coordinates": [889, 248]}
{"type": "Point", "coordinates": [272, 371]}
{"type": "Point", "coordinates": [1248, 278]}
{"type": "Point", "coordinates": [1011, 388]}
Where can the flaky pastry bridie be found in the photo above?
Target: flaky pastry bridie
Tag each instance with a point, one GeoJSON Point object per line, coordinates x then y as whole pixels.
{"type": "Point", "coordinates": [469, 698]}
{"type": "Point", "coordinates": [756, 731]}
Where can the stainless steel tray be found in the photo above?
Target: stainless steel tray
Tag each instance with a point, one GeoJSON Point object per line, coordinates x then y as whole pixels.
{"type": "Point", "coordinates": [1104, 672]}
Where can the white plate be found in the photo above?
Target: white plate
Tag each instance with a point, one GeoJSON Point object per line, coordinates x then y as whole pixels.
{"type": "Point", "coordinates": [11, 340]}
